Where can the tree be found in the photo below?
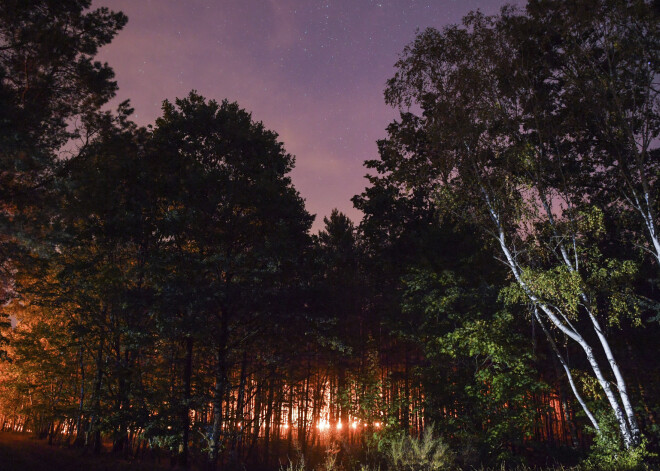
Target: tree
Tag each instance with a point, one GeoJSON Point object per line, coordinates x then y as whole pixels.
{"type": "Point", "coordinates": [480, 377]}
{"type": "Point", "coordinates": [47, 78]}
{"type": "Point", "coordinates": [488, 144]}
{"type": "Point", "coordinates": [337, 301]}
{"type": "Point", "coordinates": [605, 55]}
{"type": "Point", "coordinates": [48, 82]}
{"type": "Point", "coordinates": [229, 205]}
{"type": "Point", "coordinates": [100, 277]}
{"type": "Point", "coordinates": [438, 296]}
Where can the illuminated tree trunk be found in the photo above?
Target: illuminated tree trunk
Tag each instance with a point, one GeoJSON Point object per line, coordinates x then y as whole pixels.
{"type": "Point", "coordinates": [567, 370]}
{"type": "Point", "coordinates": [405, 415]}
{"type": "Point", "coordinates": [239, 419]}
{"type": "Point", "coordinates": [81, 400]}
{"type": "Point", "coordinates": [277, 432]}
{"type": "Point", "coordinates": [567, 422]}
{"type": "Point", "coordinates": [218, 396]}
{"type": "Point", "coordinates": [343, 399]}
{"type": "Point", "coordinates": [302, 429]}
{"type": "Point", "coordinates": [559, 320]}
{"type": "Point", "coordinates": [185, 410]}
{"type": "Point", "coordinates": [572, 266]}
{"type": "Point", "coordinates": [96, 401]}
{"type": "Point", "coordinates": [269, 414]}
{"type": "Point", "coordinates": [120, 432]}
{"type": "Point", "coordinates": [289, 436]}
{"type": "Point", "coordinates": [256, 421]}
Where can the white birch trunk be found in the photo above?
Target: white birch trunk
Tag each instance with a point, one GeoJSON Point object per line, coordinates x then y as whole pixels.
{"type": "Point", "coordinates": [645, 212]}
{"type": "Point", "coordinates": [624, 426]}
{"type": "Point", "coordinates": [614, 366]}
{"type": "Point", "coordinates": [567, 370]}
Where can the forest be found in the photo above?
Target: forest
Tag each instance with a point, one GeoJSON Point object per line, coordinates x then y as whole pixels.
{"type": "Point", "coordinates": [162, 295]}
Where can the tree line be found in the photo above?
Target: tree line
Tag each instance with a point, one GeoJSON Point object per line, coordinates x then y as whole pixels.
{"type": "Point", "coordinates": [162, 292]}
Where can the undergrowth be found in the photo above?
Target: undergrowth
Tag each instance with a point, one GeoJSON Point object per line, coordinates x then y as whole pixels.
{"type": "Point", "coordinates": [401, 452]}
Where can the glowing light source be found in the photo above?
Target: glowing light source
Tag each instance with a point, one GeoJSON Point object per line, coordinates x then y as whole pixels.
{"type": "Point", "coordinates": [339, 425]}
{"type": "Point", "coordinates": [354, 425]}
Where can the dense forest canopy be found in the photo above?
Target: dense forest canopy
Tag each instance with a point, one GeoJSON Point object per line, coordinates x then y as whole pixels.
{"type": "Point", "coordinates": [497, 303]}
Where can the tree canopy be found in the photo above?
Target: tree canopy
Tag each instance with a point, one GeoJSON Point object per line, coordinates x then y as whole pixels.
{"type": "Point", "coordinates": [497, 303]}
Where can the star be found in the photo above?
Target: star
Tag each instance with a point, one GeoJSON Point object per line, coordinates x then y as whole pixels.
{"type": "Point", "coordinates": [312, 71]}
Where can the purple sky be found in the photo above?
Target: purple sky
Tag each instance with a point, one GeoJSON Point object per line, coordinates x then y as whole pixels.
{"type": "Point", "coordinates": [313, 71]}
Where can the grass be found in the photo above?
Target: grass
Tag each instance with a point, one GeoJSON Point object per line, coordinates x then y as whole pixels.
{"type": "Point", "coordinates": [23, 452]}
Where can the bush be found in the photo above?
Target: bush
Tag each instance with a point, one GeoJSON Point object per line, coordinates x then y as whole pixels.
{"type": "Point", "coordinates": [297, 466]}
{"type": "Point", "coordinates": [427, 453]}
{"type": "Point", "coordinates": [607, 454]}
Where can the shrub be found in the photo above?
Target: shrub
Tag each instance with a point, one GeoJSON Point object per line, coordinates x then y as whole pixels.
{"type": "Point", "coordinates": [608, 455]}
{"type": "Point", "coordinates": [427, 453]}
{"type": "Point", "coordinates": [299, 465]}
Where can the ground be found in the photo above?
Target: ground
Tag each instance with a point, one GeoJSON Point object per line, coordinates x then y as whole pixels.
{"type": "Point", "coordinates": [23, 452]}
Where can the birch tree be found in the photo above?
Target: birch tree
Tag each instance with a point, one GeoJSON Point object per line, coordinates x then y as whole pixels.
{"type": "Point", "coordinates": [494, 138]}
{"type": "Point", "coordinates": [607, 58]}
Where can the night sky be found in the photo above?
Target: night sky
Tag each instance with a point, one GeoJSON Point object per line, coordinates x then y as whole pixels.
{"type": "Point", "coordinates": [313, 71]}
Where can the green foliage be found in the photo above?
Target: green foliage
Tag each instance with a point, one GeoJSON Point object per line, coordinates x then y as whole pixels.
{"type": "Point", "coordinates": [481, 359]}
{"type": "Point", "coordinates": [426, 453]}
{"type": "Point", "coordinates": [370, 406]}
{"type": "Point", "coordinates": [559, 286]}
{"type": "Point", "coordinates": [607, 453]}
{"type": "Point", "coordinates": [152, 262]}
{"type": "Point", "coordinates": [512, 137]}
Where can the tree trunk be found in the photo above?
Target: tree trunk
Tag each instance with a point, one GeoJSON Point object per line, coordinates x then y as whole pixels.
{"type": "Point", "coordinates": [93, 424]}
{"type": "Point", "coordinates": [631, 436]}
{"type": "Point", "coordinates": [269, 414]}
{"type": "Point", "coordinates": [218, 395]}
{"type": "Point", "coordinates": [238, 420]}
{"type": "Point", "coordinates": [343, 399]}
{"type": "Point", "coordinates": [574, 335]}
{"type": "Point", "coordinates": [185, 410]}
{"type": "Point", "coordinates": [81, 401]}
{"type": "Point", "coordinates": [289, 435]}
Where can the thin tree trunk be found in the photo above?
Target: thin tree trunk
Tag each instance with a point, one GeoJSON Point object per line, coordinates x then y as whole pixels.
{"type": "Point", "coordinates": [97, 401]}
{"type": "Point", "coordinates": [185, 411]}
{"type": "Point", "coordinates": [238, 419]}
{"type": "Point", "coordinates": [256, 422]}
{"type": "Point", "coordinates": [568, 330]}
{"type": "Point", "coordinates": [567, 370]}
{"type": "Point", "coordinates": [343, 398]}
{"type": "Point", "coordinates": [289, 435]}
{"type": "Point", "coordinates": [620, 382]}
{"type": "Point", "coordinates": [218, 396]}
{"type": "Point", "coordinates": [405, 416]}
{"type": "Point", "coordinates": [269, 414]}
{"type": "Point", "coordinates": [81, 402]}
